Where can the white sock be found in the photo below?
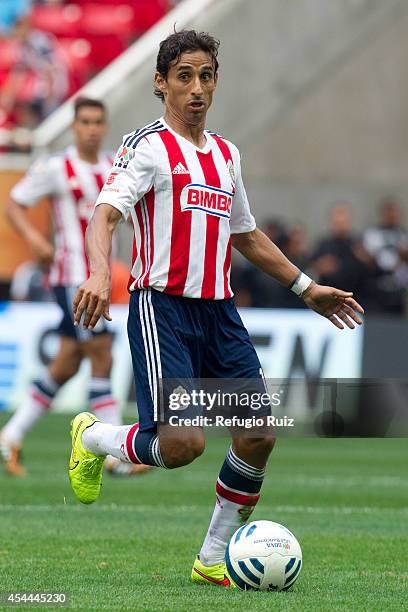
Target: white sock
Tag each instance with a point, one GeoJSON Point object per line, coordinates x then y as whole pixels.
{"type": "Point", "coordinates": [235, 503]}
{"type": "Point", "coordinates": [104, 439]}
{"type": "Point", "coordinates": [102, 403]}
{"type": "Point", "coordinates": [226, 519]}
{"type": "Point", "coordinates": [37, 403]}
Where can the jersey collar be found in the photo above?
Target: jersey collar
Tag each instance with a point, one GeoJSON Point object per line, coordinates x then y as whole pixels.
{"type": "Point", "coordinates": [207, 147]}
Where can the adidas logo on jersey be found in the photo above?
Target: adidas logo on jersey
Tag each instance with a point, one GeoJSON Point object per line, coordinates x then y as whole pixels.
{"type": "Point", "coordinates": [180, 169]}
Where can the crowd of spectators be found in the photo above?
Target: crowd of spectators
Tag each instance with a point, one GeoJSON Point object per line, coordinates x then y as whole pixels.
{"type": "Point", "coordinates": [50, 48]}
{"type": "Point", "coordinates": [33, 75]}
{"type": "Point", "coordinates": [372, 263]}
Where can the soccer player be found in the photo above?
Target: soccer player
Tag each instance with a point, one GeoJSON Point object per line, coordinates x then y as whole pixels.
{"type": "Point", "coordinates": [182, 186]}
{"type": "Point", "coordinates": [73, 179]}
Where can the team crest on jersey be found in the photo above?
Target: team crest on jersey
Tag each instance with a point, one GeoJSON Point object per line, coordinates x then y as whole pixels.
{"type": "Point", "coordinates": [123, 157]}
{"type": "Point", "coordinates": [111, 178]}
{"type": "Point", "coordinates": [231, 171]}
{"type": "Point", "coordinates": [210, 200]}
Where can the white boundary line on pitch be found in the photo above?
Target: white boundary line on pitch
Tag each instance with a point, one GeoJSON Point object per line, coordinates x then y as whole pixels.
{"type": "Point", "coordinates": [118, 508]}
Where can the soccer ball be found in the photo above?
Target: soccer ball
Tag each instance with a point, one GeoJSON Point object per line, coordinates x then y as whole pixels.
{"type": "Point", "coordinates": [263, 556]}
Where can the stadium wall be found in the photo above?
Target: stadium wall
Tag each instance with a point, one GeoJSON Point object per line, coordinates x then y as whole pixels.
{"type": "Point", "coordinates": [14, 250]}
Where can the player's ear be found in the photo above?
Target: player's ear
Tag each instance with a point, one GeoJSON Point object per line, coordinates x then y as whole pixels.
{"type": "Point", "coordinates": [215, 79]}
{"type": "Point", "coordinates": [160, 82]}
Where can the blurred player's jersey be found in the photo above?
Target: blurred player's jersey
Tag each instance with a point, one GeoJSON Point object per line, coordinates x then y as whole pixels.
{"type": "Point", "coordinates": [184, 203]}
{"type": "Point", "coordinates": [73, 186]}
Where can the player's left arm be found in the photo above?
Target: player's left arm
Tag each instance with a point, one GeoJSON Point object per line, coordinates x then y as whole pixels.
{"type": "Point", "coordinates": [336, 305]}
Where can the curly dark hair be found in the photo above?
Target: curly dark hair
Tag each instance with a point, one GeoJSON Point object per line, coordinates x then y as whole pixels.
{"type": "Point", "coordinates": [186, 40]}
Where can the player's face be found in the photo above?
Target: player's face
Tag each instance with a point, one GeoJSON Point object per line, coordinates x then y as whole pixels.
{"type": "Point", "coordinates": [89, 127]}
{"type": "Point", "coordinates": [189, 87]}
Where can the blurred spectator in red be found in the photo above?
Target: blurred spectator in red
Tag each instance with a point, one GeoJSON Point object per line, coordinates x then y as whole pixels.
{"type": "Point", "coordinates": [10, 11]}
{"type": "Point", "coordinates": [387, 243]}
{"type": "Point", "coordinates": [340, 260]}
{"type": "Point", "coordinates": [16, 127]}
{"type": "Point", "coordinates": [39, 77]}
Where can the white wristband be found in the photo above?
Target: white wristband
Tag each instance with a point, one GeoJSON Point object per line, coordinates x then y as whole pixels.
{"type": "Point", "coordinates": [300, 284]}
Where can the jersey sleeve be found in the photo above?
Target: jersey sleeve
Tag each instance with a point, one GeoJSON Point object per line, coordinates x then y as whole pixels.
{"type": "Point", "coordinates": [131, 177]}
{"type": "Point", "coordinates": [37, 183]}
{"type": "Point", "coordinates": [241, 218]}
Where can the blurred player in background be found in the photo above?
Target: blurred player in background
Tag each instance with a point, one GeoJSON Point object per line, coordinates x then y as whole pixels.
{"type": "Point", "coordinates": [73, 179]}
{"type": "Point", "coordinates": [183, 188]}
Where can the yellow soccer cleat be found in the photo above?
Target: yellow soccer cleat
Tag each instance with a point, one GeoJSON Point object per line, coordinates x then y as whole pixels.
{"type": "Point", "coordinates": [214, 574]}
{"type": "Point", "coordinates": [85, 468]}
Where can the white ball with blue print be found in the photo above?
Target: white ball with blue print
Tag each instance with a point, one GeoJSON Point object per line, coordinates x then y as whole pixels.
{"type": "Point", "coordinates": [263, 556]}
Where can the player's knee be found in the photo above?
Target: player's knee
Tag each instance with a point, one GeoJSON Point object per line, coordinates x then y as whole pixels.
{"type": "Point", "coordinates": [197, 446]}
{"type": "Point", "coordinates": [183, 451]}
{"type": "Point", "coordinates": [265, 444]}
{"type": "Point", "coordinates": [256, 447]}
{"type": "Point", "coordinates": [70, 373]}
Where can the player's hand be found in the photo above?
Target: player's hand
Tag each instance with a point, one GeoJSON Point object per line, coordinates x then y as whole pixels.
{"type": "Point", "coordinates": [92, 300]}
{"type": "Point", "coordinates": [42, 249]}
{"type": "Point", "coordinates": [336, 305]}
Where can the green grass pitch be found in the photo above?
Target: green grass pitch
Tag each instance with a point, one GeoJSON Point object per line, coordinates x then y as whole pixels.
{"type": "Point", "coordinates": [346, 500]}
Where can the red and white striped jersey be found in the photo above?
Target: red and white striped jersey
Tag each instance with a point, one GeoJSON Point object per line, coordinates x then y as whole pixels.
{"type": "Point", "coordinates": [184, 203]}
{"type": "Point", "coordinates": [73, 186]}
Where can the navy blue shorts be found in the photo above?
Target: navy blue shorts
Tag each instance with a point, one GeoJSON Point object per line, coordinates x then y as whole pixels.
{"type": "Point", "coordinates": [176, 338]}
{"type": "Point", "coordinates": [64, 297]}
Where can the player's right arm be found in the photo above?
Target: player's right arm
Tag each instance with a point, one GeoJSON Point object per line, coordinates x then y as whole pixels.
{"type": "Point", "coordinates": [37, 183]}
{"type": "Point", "coordinates": [93, 296]}
{"type": "Point", "coordinates": [125, 186]}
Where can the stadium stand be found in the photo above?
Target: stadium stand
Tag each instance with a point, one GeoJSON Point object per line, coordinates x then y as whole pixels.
{"type": "Point", "coordinates": [62, 45]}
{"type": "Point", "coordinates": [308, 172]}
